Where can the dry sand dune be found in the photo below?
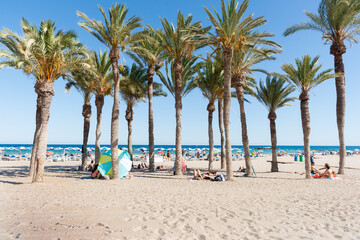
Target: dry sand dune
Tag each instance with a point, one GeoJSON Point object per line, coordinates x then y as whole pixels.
{"type": "Point", "coordinates": [160, 206]}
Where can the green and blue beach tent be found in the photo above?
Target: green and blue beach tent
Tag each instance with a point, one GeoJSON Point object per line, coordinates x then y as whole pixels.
{"type": "Point", "coordinates": [105, 163]}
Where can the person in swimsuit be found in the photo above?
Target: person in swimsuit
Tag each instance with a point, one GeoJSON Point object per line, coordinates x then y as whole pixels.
{"type": "Point", "coordinates": [328, 173]}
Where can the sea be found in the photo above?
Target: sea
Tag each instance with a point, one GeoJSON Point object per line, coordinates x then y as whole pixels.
{"type": "Point", "coordinates": [25, 149]}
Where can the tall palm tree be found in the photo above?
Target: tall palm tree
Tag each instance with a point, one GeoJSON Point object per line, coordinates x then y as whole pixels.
{"type": "Point", "coordinates": [150, 52]}
{"type": "Point", "coordinates": [80, 80]}
{"type": "Point", "coordinates": [243, 64]}
{"type": "Point", "coordinates": [134, 89]}
{"type": "Point", "coordinates": [116, 34]}
{"type": "Point", "coordinates": [274, 94]}
{"type": "Point", "coordinates": [47, 55]}
{"type": "Point", "coordinates": [231, 29]}
{"type": "Point", "coordinates": [179, 42]}
{"type": "Point", "coordinates": [304, 77]}
{"type": "Point", "coordinates": [337, 21]}
{"type": "Point", "coordinates": [102, 83]}
{"type": "Point", "coordinates": [187, 85]}
{"type": "Point", "coordinates": [210, 80]}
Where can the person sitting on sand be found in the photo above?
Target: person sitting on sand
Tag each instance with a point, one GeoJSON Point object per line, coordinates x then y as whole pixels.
{"type": "Point", "coordinates": [91, 166]}
{"type": "Point", "coordinates": [328, 172]}
{"type": "Point", "coordinates": [313, 169]}
{"type": "Point", "coordinates": [95, 173]}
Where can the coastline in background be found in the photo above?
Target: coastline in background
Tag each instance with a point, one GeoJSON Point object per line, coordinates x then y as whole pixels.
{"type": "Point", "coordinates": [22, 149]}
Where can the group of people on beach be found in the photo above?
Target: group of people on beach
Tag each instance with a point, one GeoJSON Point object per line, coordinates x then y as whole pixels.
{"type": "Point", "coordinates": [327, 174]}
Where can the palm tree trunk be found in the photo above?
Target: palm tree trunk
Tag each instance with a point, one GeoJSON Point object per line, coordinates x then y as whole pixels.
{"type": "Point", "coordinates": [245, 139]}
{"type": "Point", "coordinates": [99, 103]}
{"type": "Point", "coordinates": [211, 109]}
{"type": "Point", "coordinates": [129, 116]}
{"type": "Point", "coordinates": [178, 68]}
{"type": "Point", "coordinates": [338, 49]}
{"type": "Point", "coordinates": [114, 56]}
{"type": "Point", "coordinates": [274, 163]}
{"type": "Point", "coordinates": [36, 137]}
{"type": "Point", "coordinates": [221, 128]}
{"type": "Point", "coordinates": [87, 114]}
{"type": "Point", "coordinates": [305, 119]}
{"type": "Point", "coordinates": [130, 146]}
{"type": "Point", "coordinates": [46, 90]}
{"type": "Point", "coordinates": [150, 73]}
{"type": "Point", "coordinates": [227, 56]}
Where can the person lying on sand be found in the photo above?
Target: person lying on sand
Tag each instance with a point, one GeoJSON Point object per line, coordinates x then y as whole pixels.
{"type": "Point", "coordinates": [161, 167]}
{"type": "Point", "coordinates": [142, 166]}
{"type": "Point", "coordinates": [242, 169]}
{"type": "Point", "coordinates": [206, 176]}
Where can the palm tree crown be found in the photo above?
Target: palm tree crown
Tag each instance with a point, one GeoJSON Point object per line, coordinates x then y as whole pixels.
{"type": "Point", "coordinates": [304, 76]}
{"type": "Point", "coordinates": [181, 40]}
{"type": "Point", "coordinates": [274, 94]}
{"type": "Point", "coordinates": [337, 20]}
{"type": "Point", "coordinates": [134, 85]}
{"type": "Point", "coordinates": [43, 53]}
{"type": "Point", "coordinates": [187, 76]}
{"type": "Point", "coordinates": [210, 79]}
{"type": "Point", "coordinates": [116, 32]}
{"type": "Point", "coordinates": [101, 73]}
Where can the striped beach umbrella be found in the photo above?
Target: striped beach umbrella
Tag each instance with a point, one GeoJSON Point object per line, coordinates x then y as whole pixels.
{"type": "Point", "coordinates": [105, 163]}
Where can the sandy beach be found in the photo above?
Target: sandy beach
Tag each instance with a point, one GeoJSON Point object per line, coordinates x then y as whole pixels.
{"type": "Point", "coordinates": [159, 205]}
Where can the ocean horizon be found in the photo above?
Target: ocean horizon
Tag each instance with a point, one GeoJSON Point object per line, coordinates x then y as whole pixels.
{"type": "Point", "coordinates": [138, 148]}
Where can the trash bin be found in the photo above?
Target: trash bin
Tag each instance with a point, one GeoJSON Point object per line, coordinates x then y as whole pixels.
{"type": "Point", "coordinates": [301, 158]}
{"type": "Point", "coordinates": [296, 158]}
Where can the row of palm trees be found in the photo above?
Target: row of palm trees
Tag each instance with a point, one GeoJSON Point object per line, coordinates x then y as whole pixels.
{"type": "Point", "coordinates": [236, 47]}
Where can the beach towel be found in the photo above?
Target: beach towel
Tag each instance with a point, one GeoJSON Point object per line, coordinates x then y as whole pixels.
{"type": "Point", "coordinates": [183, 168]}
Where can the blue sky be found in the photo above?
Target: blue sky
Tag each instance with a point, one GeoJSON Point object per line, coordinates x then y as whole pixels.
{"type": "Point", "coordinates": [18, 99]}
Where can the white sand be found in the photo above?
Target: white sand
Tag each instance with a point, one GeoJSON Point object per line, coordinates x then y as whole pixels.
{"type": "Point", "coordinates": [160, 206]}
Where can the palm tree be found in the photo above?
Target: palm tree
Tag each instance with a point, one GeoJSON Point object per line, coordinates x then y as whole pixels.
{"type": "Point", "coordinates": [274, 95]}
{"type": "Point", "coordinates": [102, 83]}
{"type": "Point", "coordinates": [187, 85]}
{"type": "Point", "coordinates": [150, 52]}
{"type": "Point", "coordinates": [179, 43]}
{"type": "Point", "coordinates": [134, 89]}
{"type": "Point", "coordinates": [47, 55]}
{"type": "Point", "coordinates": [80, 80]}
{"type": "Point", "coordinates": [210, 80]}
{"type": "Point", "coordinates": [242, 66]}
{"type": "Point", "coordinates": [337, 21]}
{"type": "Point", "coordinates": [116, 34]}
{"type": "Point", "coordinates": [231, 29]}
{"type": "Point", "coordinates": [304, 77]}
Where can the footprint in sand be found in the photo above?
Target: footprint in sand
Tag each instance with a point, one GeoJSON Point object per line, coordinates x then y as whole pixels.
{"type": "Point", "coordinates": [202, 237]}
{"type": "Point", "coordinates": [161, 232]}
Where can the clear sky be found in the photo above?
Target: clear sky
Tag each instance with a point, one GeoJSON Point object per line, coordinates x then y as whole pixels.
{"type": "Point", "coordinates": [18, 99]}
